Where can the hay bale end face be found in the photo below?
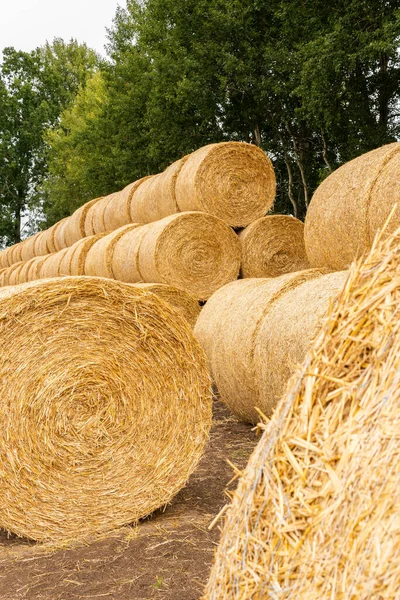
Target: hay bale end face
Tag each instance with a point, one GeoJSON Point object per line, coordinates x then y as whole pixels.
{"type": "Point", "coordinates": [322, 484]}
{"type": "Point", "coordinates": [98, 439]}
{"type": "Point", "coordinates": [234, 181]}
{"type": "Point", "coordinates": [273, 246]}
{"type": "Point", "coordinates": [235, 327]}
{"type": "Point", "coordinates": [350, 206]}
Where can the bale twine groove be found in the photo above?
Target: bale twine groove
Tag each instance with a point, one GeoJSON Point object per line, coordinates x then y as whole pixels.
{"type": "Point", "coordinates": [98, 261]}
{"type": "Point", "coordinates": [315, 515]}
{"type": "Point", "coordinates": [273, 246]}
{"type": "Point", "coordinates": [184, 303]}
{"type": "Point", "coordinates": [350, 206]}
{"type": "Point", "coordinates": [92, 440]}
{"type": "Point", "coordinates": [234, 181]}
{"type": "Point", "coordinates": [236, 324]}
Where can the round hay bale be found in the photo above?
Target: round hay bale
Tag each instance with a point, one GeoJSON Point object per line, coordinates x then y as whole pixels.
{"type": "Point", "coordinates": [88, 223]}
{"type": "Point", "coordinates": [194, 251]}
{"type": "Point", "coordinates": [8, 274]}
{"type": "Point", "coordinates": [125, 255]}
{"type": "Point", "coordinates": [14, 277]}
{"type": "Point", "coordinates": [99, 258]}
{"type": "Point", "coordinates": [117, 213]}
{"type": "Point", "coordinates": [42, 242]}
{"type": "Point", "coordinates": [75, 227]}
{"type": "Point", "coordinates": [350, 206]}
{"type": "Point", "coordinates": [34, 271]}
{"type": "Point", "coordinates": [273, 246]}
{"type": "Point", "coordinates": [184, 303]}
{"type": "Point", "coordinates": [234, 181]}
{"type": "Point", "coordinates": [97, 211]}
{"type": "Point", "coordinates": [6, 257]}
{"type": "Point", "coordinates": [73, 261]}
{"type": "Point", "coordinates": [155, 198]}
{"type": "Point", "coordinates": [51, 267]}
{"type": "Point", "coordinates": [58, 235]}
{"type": "Point", "coordinates": [315, 514]}
{"type": "Point", "coordinates": [92, 441]}
{"type": "Point", "coordinates": [15, 253]}
{"type": "Point", "coordinates": [228, 331]}
{"type": "Point", "coordinates": [28, 248]}
{"type": "Point", "coordinates": [24, 272]}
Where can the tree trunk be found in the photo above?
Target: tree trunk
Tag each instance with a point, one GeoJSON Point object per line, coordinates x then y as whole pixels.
{"type": "Point", "coordinates": [324, 152]}
{"type": "Point", "coordinates": [17, 225]}
{"type": "Point", "coordinates": [290, 184]}
{"type": "Point", "coordinates": [383, 92]}
{"type": "Point", "coordinates": [299, 164]}
{"type": "Point", "coordinates": [257, 136]}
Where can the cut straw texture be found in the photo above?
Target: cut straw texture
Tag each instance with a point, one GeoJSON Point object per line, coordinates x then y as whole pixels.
{"type": "Point", "coordinates": [234, 181]}
{"type": "Point", "coordinates": [93, 439]}
{"type": "Point", "coordinates": [255, 331]}
{"type": "Point", "coordinates": [350, 206]}
{"type": "Point", "coordinates": [273, 246]}
{"type": "Point", "coordinates": [192, 251]}
{"type": "Point", "coordinates": [316, 513]}
{"type": "Point", "coordinates": [185, 304]}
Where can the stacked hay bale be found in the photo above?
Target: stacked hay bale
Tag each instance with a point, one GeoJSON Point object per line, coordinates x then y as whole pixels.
{"type": "Point", "coordinates": [254, 332]}
{"type": "Point", "coordinates": [92, 441]}
{"type": "Point", "coordinates": [193, 251]}
{"type": "Point", "coordinates": [316, 513]}
{"type": "Point", "coordinates": [273, 246]}
{"type": "Point", "coordinates": [350, 206]}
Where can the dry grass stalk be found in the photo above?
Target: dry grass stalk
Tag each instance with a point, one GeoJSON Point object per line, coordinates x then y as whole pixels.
{"type": "Point", "coordinates": [98, 261]}
{"type": "Point", "coordinates": [118, 211]}
{"type": "Point", "coordinates": [73, 261]}
{"type": "Point", "coordinates": [155, 198]}
{"type": "Point", "coordinates": [254, 334]}
{"type": "Point", "coordinates": [350, 206]}
{"type": "Point", "coordinates": [92, 440]}
{"type": "Point", "coordinates": [273, 246]}
{"type": "Point", "coordinates": [186, 305]}
{"type": "Point", "coordinates": [233, 181]}
{"type": "Point", "coordinates": [315, 516]}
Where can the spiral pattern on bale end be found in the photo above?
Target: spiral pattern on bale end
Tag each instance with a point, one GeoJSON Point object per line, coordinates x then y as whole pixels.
{"type": "Point", "coordinates": [99, 439]}
{"type": "Point", "coordinates": [273, 246]}
{"type": "Point", "coordinates": [186, 305]}
{"type": "Point", "coordinates": [98, 262]}
{"type": "Point", "coordinates": [235, 326]}
{"type": "Point", "coordinates": [234, 181]}
{"type": "Point", "coordinates": [350, 206]}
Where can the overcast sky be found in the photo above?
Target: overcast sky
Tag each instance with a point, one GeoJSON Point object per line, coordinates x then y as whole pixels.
{"type": "Point", "coordinates": [26, 24]}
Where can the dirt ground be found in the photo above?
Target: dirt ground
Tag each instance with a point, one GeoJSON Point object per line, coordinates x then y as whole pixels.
{"type": "Point", "coordinates": [168, 556]}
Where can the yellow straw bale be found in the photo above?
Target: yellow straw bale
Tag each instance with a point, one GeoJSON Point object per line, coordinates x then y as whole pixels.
{"type": "Point", "coordinates": [34, 271]}
{"type": "Point", "coordinates": [51, 267]}
{"type": "Point", "coordinates": [350, 206]}
{"type": "Point", "coordinates": [15, 273]}
{"type": "Point", "coordinates": [194, 251]}
{"type": "Point", "coordinates": [125, 255]}
{"type": "Point", "coordinates": [5, 257]}
{"type": "Point", "coordinates": [97, 224]}
{"type": "Point", "coordinates": [316, 512]}
{"type": "Point", "coordinates": [273, 246]}
{"type": "Point", "coordinates": [184, 303]}
{"type": "Point", "coordinates": [75, 228]}
{"type": "Point", "coordinates": [90, 213]}
{"type": "Point", "coordinates": [98, 261]}
{"type": "Point", "coordinates": [92, 439]}
{"type": "Point", "coordinates": [234, 181]}
{"type": "Point", "coordinates": [23, 276]}
{"type": "Point", "coordinates": [228, 331]}
{"type": "Point", "coordinates": [28, 248]}
{"type": "Point", "coordinates": [118, 211]}
{"type": "Point", "coordinates": [73, 261]}
{"type": "Point", "coordinates": [7, 275]}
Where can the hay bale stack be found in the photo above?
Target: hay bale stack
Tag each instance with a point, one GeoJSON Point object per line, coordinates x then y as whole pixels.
{"type": "Point", "coordinates": [232, 180]}
{"type": "Point", "coordinates": [193, 251]}
{"type": "Point", "coordinates": [75, 226]}
{"type": "Point", "coordinates": [43, 242]}
{"type": "Point", "coordinates": [273, 246]}
{"type": "Point", "coordinates": [51, 267]}
{"type": "Point", "coordinates": [94, 215]}
{"type": "Point", "coordinates": [5, 257]}
{"type": "Point", "coordinates": [254, 333]}
{"type": "Point", "coordinates": [28, 248]}
{"type": "Point", "coordinates": [15, 273]}
{"type": "Point", "coordinates": [7, 274]}
{"type": "Point", "coordinates": [23, 276]}
{"type": "Point", "coordinates": [155, 198]}
{"type": "Point", "coordinates": [34, 271]}
{"type": "Point", "coordinates": [118, 211]}
{"type": "Point", "coordinates": [350, 206]}
{"type": "Point", "coordinates": [99, 258]}
{"type": "Point", "coordinates": [316, 513]}
{"type": "Point", "coordinates": [73, 261]}
{"type": "Point", "coordinates": [92, 440]}
{"type": "Point", "coordinates": [184, 303]}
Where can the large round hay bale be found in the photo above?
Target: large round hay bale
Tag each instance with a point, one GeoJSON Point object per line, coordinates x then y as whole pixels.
{"type": "Point", "coordinates": [155, 198]}
{"type": "Point", "coordinates": [6, 257]}
{"type": "Point", "coordinates": [350, 206]}
{"type": "Point", "coordinates": [28, 248]}
{"type": "Point", "coordinates": [232, 180]}
{"type": "Point", "coordinates": [90, 213]}
{"type": "Point", "coordinates": [254, 333]}
{"type": "Point", "coordinates": [24, 272]}
{"type": "Point", "coordinates": [273, 246]}
{"type": "Point", "coordinates": [193, 251]}
{"type": "Point", "coordinates": [75, 227]}
{"type": "Point", "coordinates": [7, 275]}
{"type": "Point", "coordinates": [51, 267]}
{"type": "Point", "coordinates": [118, 211]}
{"type": "Point", "coordinates": [98, 261]}
{"type": "Point", "coordinates": [58, 237]}
{"type": "Point", "coordinates": [42, 242]}
{"type": "Point", "coordinates": [73, 261]}
{"type": "Point", "coordinates": [92, 439]}
{"type": "Point", "coordinates": [34, 271]}
{"type": "Point", "coordinates": [96, 215]}
{"type": "Point", "coordinates": [16, 250]}
{"type": "Point", "coordinates": [125, 255]}
{"type": "Point", "coordinates": [184, 303]}
{"type": "Point", "coordinates": [315, 515]}
{"type": "Point", "coordinates": [15, 273]}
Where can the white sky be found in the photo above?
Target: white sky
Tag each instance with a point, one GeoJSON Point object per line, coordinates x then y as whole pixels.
{"type": "Point", "coordinates": [26, 24]}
